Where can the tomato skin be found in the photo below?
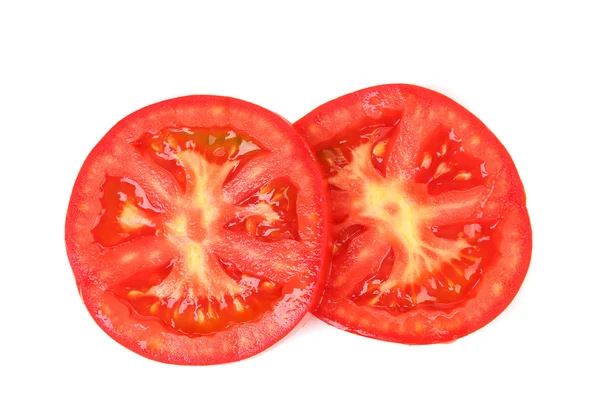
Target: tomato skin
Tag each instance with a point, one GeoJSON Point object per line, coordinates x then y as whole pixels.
{"type": "Point", "coordinates": [115, 155]}
{"type": "Point", "coordinates": [421, 111]}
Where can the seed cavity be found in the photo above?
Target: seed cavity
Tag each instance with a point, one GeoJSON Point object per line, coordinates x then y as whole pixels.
{"type": "Point", "coordinates": [269, 214]}
{"type": "Point", "coordinates": [189, 313]}
{"type": "Point", "coordinates": [126, 213]}
{"type": "Point", "coordinates": [446, 166]}
{"type": "Point", "coordinates": [171, 147]}
{"type": "Point", "coordinates": [337, 153]}
{"type": "Point", "coordinates": [456, 274]}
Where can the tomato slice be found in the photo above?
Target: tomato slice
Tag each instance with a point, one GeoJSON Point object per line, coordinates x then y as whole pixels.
{"type": "Point", "coordinates": [192, 237]}
{"type": "Point", "coordinates": [432, 239]}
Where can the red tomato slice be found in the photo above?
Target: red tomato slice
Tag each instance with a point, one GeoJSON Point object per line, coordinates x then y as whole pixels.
{"type": "Point", "coordinates": [197, 230]}
{"type": "Point", "coordinates": [432, 239]}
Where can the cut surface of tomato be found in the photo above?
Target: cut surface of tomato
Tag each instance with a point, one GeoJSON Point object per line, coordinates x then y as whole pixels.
{"type": "Point", "coordinates": [431, 236]}
{"type": "Point", "coordinates": [192, 238]}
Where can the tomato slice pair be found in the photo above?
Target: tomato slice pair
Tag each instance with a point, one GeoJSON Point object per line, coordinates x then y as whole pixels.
{"type": "Point", "coordinates": [202, 229]}
{"type": "Point", "coordinates": [193, 238]}
{"type": "Point", "coordinates": [432, 238]}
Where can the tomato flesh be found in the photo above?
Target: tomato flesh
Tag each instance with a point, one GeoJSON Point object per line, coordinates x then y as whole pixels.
{"type": "Point", "coordinates": [431, 234]}
{"type": "Point", "coordinates": [445, 165]}
{"type": "Point", "coordinates": [214, 146]}
{"type": "Point", "coordinates": [194, 316]}
{"type": "Point", "coordinates": [443, 288]}
{"type": "Point", "coordinates": [173, 242]}
{"type": "Point", "coordinates": [448, 169]}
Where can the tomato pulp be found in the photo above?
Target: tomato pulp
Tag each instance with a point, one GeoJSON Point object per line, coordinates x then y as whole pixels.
{"type": "Point", "coordinates": [432, 238]}
{"type": "Point", "coordinates": [192, 237]}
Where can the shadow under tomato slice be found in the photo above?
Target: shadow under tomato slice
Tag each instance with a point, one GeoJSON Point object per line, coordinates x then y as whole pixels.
{"type": "Point", "coordinates": [432, 238]}
{"type": "Point", "coordinates": [185, 234]}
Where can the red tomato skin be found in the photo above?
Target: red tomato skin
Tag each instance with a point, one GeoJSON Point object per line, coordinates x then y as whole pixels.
{"type": "Point", "coordinates": [181, 350]}
{"type": "Point", "coordinates": [424, 325]}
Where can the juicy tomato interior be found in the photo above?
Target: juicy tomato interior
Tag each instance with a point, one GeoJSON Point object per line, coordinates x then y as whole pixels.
{"type": "Point", "coordinates": [353, 161]}
{"type": "Point", "coordinates": [200, 161]}
{"type": "Point", "coordinates": [185, 229]}
{"type": "Point", "coordinates": [423, 196]}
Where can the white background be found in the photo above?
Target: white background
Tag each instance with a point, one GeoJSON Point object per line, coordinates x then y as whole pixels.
{"type": "Point", "coordinates": [69, 71]}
